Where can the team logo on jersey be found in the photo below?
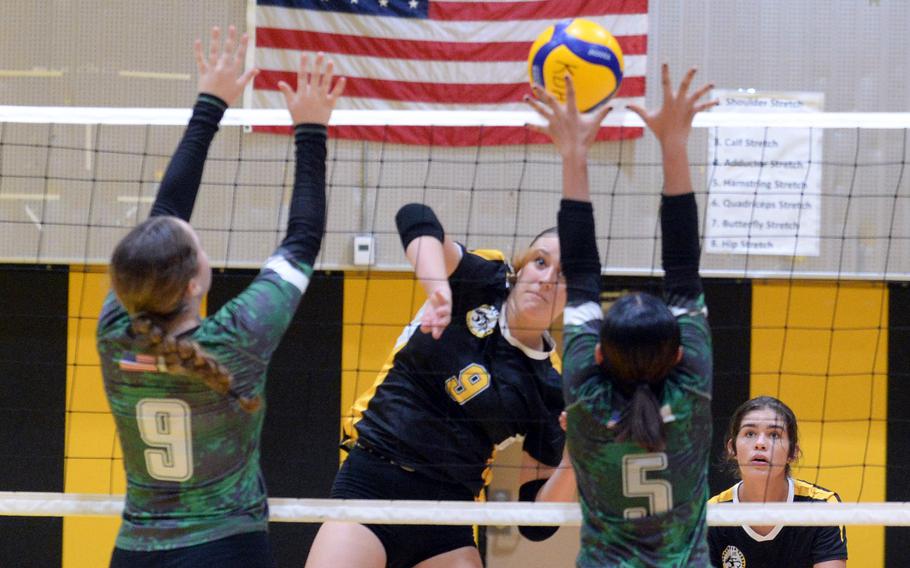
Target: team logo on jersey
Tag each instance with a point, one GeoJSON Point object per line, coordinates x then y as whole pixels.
{"type": "Point", "coordinates": [482, 320]}
{"type": "Point", "coordinates": [732, 558]}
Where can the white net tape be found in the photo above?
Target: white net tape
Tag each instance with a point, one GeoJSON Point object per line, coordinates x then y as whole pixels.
{"type": "Point", "coordinates": [470, 513]}
{"type": "Point", "coordinates": [280, 117]}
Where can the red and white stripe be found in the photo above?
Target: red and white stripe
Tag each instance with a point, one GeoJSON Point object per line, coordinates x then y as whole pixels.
{"type": "Point", "coordinates": [466, 56]}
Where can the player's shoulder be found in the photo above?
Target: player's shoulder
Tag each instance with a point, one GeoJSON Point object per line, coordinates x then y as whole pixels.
{"type": "Point", "coordinates": [805, 491]}
{"type": "Point", "coordinates": [113, 319]}
{"type": "Point", "coordinates": [725, 496]}
{"type": "Point", "coordinates": [481, 270]}
{"type": "Point", "coordinates": [490, 255]}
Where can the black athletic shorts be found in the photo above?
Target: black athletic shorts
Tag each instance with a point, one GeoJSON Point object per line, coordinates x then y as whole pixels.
{"type": "Point", "coordinates": [366, 475]}
{"type": "Point", "coordinates": [244, 550]}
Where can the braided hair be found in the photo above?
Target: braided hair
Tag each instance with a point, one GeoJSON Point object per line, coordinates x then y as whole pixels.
{"type": "Point", "coordinates": [150, 270]}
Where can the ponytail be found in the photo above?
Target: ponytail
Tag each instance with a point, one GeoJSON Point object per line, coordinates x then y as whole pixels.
{"type": "Point", "coordinates": [639, 341]}
{"type": "Point", "coordinates": [186, 357]}
{"type": "Point", "coordinates": [643, 423]}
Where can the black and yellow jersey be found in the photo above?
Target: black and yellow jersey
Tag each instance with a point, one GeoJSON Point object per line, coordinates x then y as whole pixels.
{"type": "Point", "coordinates": [797, 547]}
{"type": "Point", "coordinates": [442, 406]}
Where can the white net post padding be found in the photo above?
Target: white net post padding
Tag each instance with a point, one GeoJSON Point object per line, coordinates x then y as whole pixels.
{"type": "Point", "coordinates": [470, 513]}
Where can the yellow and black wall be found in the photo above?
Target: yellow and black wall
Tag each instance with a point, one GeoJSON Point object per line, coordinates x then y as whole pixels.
{"type": "Point", "coordinates": [835, 352]}
{"type": "Point", "coordinates": [33, 344]}
{"type": "Point", "coordinates": [56, 433]}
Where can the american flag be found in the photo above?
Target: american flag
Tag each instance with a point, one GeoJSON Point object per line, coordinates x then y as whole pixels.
{"type": "Point", "coordinates": [139, 363]}
{"type": "Point", "coordinates": [435, 55]}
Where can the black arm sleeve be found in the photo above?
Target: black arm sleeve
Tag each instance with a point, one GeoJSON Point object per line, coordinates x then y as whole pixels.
{"type": "Point", "coordinates": [306, 218]}
{"type": "Point", "coordinates": [417, 220]}
{"type": "Point", "coordinates": [177, 193]}
{"type": "Point", "coordinates": [680, 245]}
{"type": "Point", "coordinates": [528, 492]}
{"type": "Point", "coordinates": [578, 251]}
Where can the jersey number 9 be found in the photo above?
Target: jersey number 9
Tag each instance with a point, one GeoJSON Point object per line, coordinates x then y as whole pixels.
{"type": "Point", "coordinates": [471, 381]}
{"type": "Point", "coordinates": [164, 424]}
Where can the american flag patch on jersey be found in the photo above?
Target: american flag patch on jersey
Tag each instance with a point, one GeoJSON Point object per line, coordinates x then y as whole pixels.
{"type": "Point", "coordinates": [139, 363]}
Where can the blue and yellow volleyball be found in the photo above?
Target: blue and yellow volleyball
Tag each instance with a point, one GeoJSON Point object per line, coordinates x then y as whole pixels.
{"type": "Point", "coordinates": [580, 48]}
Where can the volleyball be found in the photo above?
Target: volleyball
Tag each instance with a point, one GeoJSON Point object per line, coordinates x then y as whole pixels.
{"type": "Point", "coordinates": [582, 49]}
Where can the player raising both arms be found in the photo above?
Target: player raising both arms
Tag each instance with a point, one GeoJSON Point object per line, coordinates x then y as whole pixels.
{"type": "Point", "coordinates": [637, 380]}
{"type": "Point", "coordinates": [187, 394]}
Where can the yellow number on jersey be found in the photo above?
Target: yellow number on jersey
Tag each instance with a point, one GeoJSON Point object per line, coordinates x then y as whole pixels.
{"type": "Point", "coordinates": [471, 381]}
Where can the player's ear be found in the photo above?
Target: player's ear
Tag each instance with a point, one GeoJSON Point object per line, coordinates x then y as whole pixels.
{"type": "Point", "coordinates": [731, 449]}
{"type": "Point", "coordinates": [194, 288]}
{"type": "Point", "coordinates": [598, 354]}
{"type": "Point", "coordinates": [794, 454]}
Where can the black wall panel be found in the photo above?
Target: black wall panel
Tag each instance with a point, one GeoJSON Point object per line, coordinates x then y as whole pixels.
{"type": "Point", "coordinates": [33, 321]}
{"type": "Point", "coordinates": [897, 477]}
{"type": "Point", "coordinates": [303, 397]}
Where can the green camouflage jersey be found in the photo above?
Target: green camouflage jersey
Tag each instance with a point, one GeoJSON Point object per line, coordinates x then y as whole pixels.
{"type": "Point", "coordinates": [640, 508]}
{"type": "Point", "coordinates": [192, 455]}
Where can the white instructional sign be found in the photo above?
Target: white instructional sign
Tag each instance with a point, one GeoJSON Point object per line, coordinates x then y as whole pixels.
{"type": "Point", "coordinates": [764, 184]}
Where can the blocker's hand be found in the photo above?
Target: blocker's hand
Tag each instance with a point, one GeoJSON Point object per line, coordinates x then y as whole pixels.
{"type": "Point", "coordinates": [221, 73]}
{"type": "Point", "coordinates": [673, 122]}
{"type": "Point", "coordinates": [314, 98]}
{"type": "Point", "coordinates": [572, 131]}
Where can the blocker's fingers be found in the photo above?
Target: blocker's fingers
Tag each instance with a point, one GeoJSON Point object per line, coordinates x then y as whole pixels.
{"type": "Point", "coordinates": [328, 76]}
{"type": "Point", "coordinates": [687, 81]}
{"type": "Point", "coordinates": [339, 88]}
{"type": "Point", "coordinates": [318, 71]}
{"type": "Point", "coordinates": [214, 45]}
{"type": "Point", "coordinates": [701, 92]}
{"type": "Point", "coordinates": [705, 106]}
{"type": "Point", "coordinates": [602, 114]}
{"type": "Point", "coordinates": [200, 56]}
{"type": "Point", "coordinates": [538, 106]}
{"type": "Point", "coordinates": [537, 128]}
{"type": "Point", "coordinates": [570, 93]}
{"type": "Point", "coordinates": [640, 111]}
{"type": "Point", "coordinates": [302, 72]}
{"type": "Point", "coordinates": [545, 97]}
{"type": "Point", "coordinates": [230, 42]}
{"type": "Point", "coordinates": [241, 50]}
{"type": "Point", "coordinates": [665, 83]}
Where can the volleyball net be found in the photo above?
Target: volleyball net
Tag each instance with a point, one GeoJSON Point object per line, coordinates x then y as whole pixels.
{"type": "Point", "coordinates": [401, 512]}
{"type": "Point", "coordinates": [805, 220]}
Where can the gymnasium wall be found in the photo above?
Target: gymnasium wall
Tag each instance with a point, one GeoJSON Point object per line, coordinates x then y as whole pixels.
{"type": "Point", "coordinates": [771, 337]}
{"type": "Point", "coordinates": [100, 53]}
{"type": "Point", "coordinates": [813, 344]}
{"type": "Point", "coordinates": [56, 432]}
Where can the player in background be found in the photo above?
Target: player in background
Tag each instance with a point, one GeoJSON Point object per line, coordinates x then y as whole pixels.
{"type": "Point", "coordinates": [637, 381]}
{"type": "Point", "coordinates": [187, 393]}
{"type": "Point", "coordinates": [762, 442]}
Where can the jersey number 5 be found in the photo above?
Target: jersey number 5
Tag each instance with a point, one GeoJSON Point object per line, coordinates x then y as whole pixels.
{"type": "Point", "coordinates": [164, 424]}
{"type": "Point", "coordinates": [635, 483]}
